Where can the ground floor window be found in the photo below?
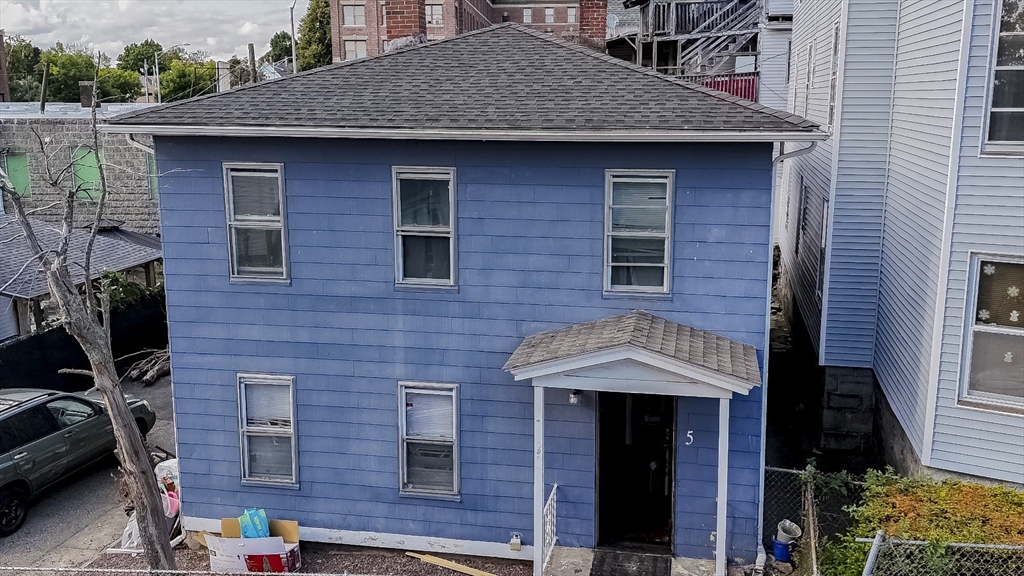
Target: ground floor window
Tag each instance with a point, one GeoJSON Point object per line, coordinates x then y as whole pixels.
{"type": "Point", "coordinates": [267, 415]}
{"type": "Point", "coordinates": [994, 367]}
{"type": "Point", "coordinates": [428, 428]}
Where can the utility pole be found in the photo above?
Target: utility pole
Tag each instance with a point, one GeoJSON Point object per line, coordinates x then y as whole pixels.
{"type": "Point", "coordinates": [5, 87]}
{"type": "Point", "coordinates": [295, 61]}
{"type": "Point", "coordinates": [252, 63]}
{"type": "Point", "coordinates": [42, 89]}
{"type": "Point", "coordinates": [145, 74]}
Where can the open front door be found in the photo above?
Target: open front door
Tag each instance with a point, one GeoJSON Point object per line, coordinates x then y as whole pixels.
{"type": "Point", "coordinates": [635, 470]}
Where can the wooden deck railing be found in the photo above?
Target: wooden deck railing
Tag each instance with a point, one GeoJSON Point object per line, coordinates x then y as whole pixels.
{"type": "Point", "coordinates": [742, 84]}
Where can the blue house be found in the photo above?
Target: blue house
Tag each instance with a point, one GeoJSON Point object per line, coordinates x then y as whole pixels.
{"type": "Point", "coordinates": [478, 296]}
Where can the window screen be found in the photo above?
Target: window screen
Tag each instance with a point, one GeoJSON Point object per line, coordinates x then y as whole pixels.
{"type": "Point", "coordinates": [637, 233]}
{"type": "Point", "coordinates": [268, 438]}
{"type": "Point", "coordinates": [255, 222]}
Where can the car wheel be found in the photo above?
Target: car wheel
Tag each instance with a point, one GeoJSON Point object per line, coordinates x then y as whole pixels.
{"type": "Point", "coordinates": [13, 510]}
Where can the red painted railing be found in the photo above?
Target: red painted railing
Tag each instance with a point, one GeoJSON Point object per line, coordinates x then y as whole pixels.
{"type": "Point", "coordinates": [742, 84]}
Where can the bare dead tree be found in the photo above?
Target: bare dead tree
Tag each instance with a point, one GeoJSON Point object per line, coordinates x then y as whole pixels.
{"type": "Point", "coordinates": [82, 318]}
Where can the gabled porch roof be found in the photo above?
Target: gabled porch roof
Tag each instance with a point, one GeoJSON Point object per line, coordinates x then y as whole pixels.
{"type": "Point", "coordinates": [637, 352]}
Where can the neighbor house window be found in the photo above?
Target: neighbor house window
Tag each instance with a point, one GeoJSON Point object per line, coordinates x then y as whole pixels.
{"type": "Point", "coordinates": [355, 49]}
{"type": "Point", "coordinates": [549, 15]}
{"type": "Point", "coordinates": [822, 244]}
{"type": "Point", "coordinates": [809, 77]}
{"type": "Point", "coordinates": [353, 15]}
{"type": "Point", "coordinates": [85, 173]}
{"type": "Point", "coordinates": [833, 76]}
{"type": "Point", "coordinates": [428, 428]}
{"type": "Point", "coordinates": [995, 340]}
{"type": "Point", "coordinates": [383, 15]}
{"type": "Point", "coordinates": [801, 215]}
{"type": "Point", "coordinates": [154, 182]}
{"type": "Point", "coordinates": [255, 211]}
{"type": "Point", "coordinates": [434, 15]}
{"type": "Point", "coordinates": [527, 15]}
{"type": "Point", "coordinates": [570, 14]}
{"type": "Point", "coordinates": [267, 417]}
{"type": "Point", "coordinates": [638, 231]}
{"type": "Point", "coordinates": [424, 226]}
{"type": "Point", "coordinates": [15, 165]}
{"type": "Point", "coordinates": [1006, 114]}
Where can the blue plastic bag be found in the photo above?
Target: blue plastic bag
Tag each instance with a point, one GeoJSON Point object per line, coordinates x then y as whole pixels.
{"type": "Point", "coordinates": [253, 523]}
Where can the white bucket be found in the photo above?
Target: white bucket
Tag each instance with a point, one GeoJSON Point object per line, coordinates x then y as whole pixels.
{"type": "Point", "coordinates": [788, 531]}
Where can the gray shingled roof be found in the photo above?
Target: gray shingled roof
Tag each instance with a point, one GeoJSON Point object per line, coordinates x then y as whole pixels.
{"type": "Point", "coordinates": [645, 331]}
{"type": "Point", "coordinates": [109, 253]}
{"type": "Point", "coordinates": [503, 78]}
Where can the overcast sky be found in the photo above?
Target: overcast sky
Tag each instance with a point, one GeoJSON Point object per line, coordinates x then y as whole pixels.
{"type": "Point", "coordinates": [221, 27]}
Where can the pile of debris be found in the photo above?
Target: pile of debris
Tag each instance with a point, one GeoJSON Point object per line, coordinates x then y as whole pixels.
{"type": "Point", "coordinates": [150, 369]}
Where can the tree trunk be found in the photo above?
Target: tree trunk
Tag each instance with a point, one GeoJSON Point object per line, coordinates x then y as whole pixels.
{"type": "Point", "coordinates": [131, 451]}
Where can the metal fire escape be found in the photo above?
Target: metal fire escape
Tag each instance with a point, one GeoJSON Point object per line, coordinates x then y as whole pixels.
{"type": "Point", "coordinates": [708, 42]}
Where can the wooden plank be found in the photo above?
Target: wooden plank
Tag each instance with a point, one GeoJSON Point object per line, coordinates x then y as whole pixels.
{"type": "Point", "coordinates": [448, 564]}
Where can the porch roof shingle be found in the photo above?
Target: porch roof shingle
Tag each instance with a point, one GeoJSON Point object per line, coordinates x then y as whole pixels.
{"type": "Point", "coordinates": [645, 331]}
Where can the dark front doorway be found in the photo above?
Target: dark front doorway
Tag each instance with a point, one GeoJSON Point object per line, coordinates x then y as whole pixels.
{"type": "Point", "coordinates": [635, 455]}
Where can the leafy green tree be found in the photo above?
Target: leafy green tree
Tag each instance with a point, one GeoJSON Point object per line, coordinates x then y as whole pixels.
{"type": "Point", "coordinates": [238, 69]}
{"type": "Point", "coordinates": [280, 48]}
{"type": "Point", "coordinates": [68, 66]}
{"type": "Point", "coordinates": [187, 80]}
{"type": "Point", "coordinates": [314, 48]}
{"type": "Point", "coordinates": [116, 85]}
{"type": "Point", "coordinates": [22, 63]}
{"type": "Point", "coordinates": [135, 56]}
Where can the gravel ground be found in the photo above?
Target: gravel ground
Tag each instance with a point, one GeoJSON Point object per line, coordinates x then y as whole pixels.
{"type": "Point", "coordinates": [332, 559]}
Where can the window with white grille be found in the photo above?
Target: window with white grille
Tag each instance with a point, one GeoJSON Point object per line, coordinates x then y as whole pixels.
{"type": "Point", "coordinates": [267, 417]}
{"type": "Point", "coordinates": [255, 214]}
{"type": "Point", "coordinates": [527, 15]}
{"type": "Point", "coordinates": [435, 16]}
{"type": "Point", "coordinates": [570, 14]}
{"type": "Point", "coordinates": [353, 15]}
{"type": "Point", "coordinates": [994, 351]}
{"type": "Point", "coordinates": [638, 231]}
{"type": "Point", "coordinates": [549, 15]}
{"type": "Point", "coordinates": [428, 428]}
{"type": "Point", "coordinates": [355, 49]}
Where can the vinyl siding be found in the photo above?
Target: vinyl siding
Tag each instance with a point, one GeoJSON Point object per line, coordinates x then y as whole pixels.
{"type": "Point", "coordinates": [988, 218]}
{"type": "Point", "coordinates": [859, 187]}
{"type": "Point", "coordinates": [779, 7]}
{"type": "Point", "coordinates": [774, 55]}
{"type": "Point", "coordinates": [8, 318]}
{"type": "Point", "coordinates": [811, 23]}
{"type": "Point", "coordinates": [529, 229]}
{"type": "Point", "coordinates": [927, 55]}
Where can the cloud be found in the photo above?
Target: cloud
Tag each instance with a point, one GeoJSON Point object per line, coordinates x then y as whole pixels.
{"type": "Point", "coordinates": [220, 27]}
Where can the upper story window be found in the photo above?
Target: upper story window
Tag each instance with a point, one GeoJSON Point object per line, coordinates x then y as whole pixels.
{"type": "Point", "coordinates": [527, 15]}
{"type": "Point", "coordinates": [424, 226]}
{"type": "Point", "coordinates": [355, 49]}
{"type": "Point", "coordinates": [435, 16]}
{"type": "Point", "coordinates": [570, 14]}
{"type": "Point", "coordinates": [428, 429]}
{"type": "Point", "coordinates": [255, 213]}
{"type": "Point", "coordinates": [352, 15]}
{"type": "Point", "coordinates": [267, 417]}
{"type": "Point", "coordinates": [85, 173]}
{"type": "Point", "coordinates": [809, 76]}
{"type": "Point", "coordinates": [15, 165]}
{"type": "Point", "coordinates": [638, 231]}
{"type": "Point", "coordinates": [1006, 98]}
{"type": "Point", "coordinates": [833, 85]}
{"type": "Point", "coordinates": [994, 370]}
{"type": "Point", "coordinates": [549, 15]}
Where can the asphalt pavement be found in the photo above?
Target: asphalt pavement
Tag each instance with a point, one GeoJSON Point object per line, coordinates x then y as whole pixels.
{"type": "Point", "coordinates": [74, 521]}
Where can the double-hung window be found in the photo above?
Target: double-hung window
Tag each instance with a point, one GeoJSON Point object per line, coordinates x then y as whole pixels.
{"type": "Point", "coordinates": [833, 76]}
{"type": "Point", "coordinates": [570, 14]}
{"type": "Point", "coordinates": [638, 231]}
{"type": "Point", "coordinates": [255, 213]}
{"type": "Point", "coordinates": [822, 245]}
{"type": "Point", "coordinates": [355, 49]}
{"type": "Point", "coordinates": [1006, 95]}
{"type": "Point", "coordinates": [527, 15]}
{"type": "Point", "coordinates": [353, 15]}
{"type": "Point", "coordinates": [428, 429]}
{"type": "Point", "coordinates": [549, 15]}
{"type": "Point", "coordinates": [267, 425]}
{"type": "Point", "coordinates": [425, 226]}
{"type": "Point", "coordinates": [15, 165]}
{"type": "Point", "coordinates": [994, 369]}
{"type": "Point", "coordinates": [435, 14]}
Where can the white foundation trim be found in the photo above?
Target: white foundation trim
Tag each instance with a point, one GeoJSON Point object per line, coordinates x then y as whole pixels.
{"type": "Point", "coordinates": [538, 481]}
{"type": "Point", "coordinates": [723, 486]}
{"type": "Point", "coordinates": [384, 540]}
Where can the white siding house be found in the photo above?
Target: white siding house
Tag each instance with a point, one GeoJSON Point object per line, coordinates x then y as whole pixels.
{"type": "Point", "coordinates": [922, 186]}
{"type": "Point", "coordinates": [8, 319]}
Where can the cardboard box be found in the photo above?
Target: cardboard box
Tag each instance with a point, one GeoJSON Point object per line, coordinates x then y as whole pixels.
{"type": "Point", "coordinates": [278, 553]}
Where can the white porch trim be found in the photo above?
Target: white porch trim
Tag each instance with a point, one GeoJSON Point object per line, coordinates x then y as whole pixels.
{"type": "Point", "coordinates": [721, 515]}
{"type": "Point", "coordinates": [538, 481]}
{"type": "Point", "coordinates": [386, 540]}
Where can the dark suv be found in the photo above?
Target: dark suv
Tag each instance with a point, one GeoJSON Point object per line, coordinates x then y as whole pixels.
{"type": "Point", "coordinates": [46, 436]}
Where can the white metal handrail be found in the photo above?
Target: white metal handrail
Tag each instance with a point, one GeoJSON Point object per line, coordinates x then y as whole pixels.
{"type": "Point", "coordinates": [550, 525]}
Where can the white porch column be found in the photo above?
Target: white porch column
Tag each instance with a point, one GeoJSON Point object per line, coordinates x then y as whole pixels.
{"type": "Point", "coordinates": [723, 486]}
{"type": "Point", "coordinates": [538, 480]}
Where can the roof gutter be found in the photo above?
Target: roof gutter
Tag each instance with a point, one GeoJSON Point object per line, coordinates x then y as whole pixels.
{"type": "Point", "coordinates": [649, 136]}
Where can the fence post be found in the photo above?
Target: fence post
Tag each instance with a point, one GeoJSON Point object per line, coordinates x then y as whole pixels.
{"type": "Point", "coordinates": [876, 545]}
{"type": "Point", "coordinates": [811, 522]}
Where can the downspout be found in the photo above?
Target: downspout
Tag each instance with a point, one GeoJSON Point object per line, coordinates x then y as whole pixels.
{"type": "Point", "coordinates": [762, 556]}
{"type": "Point", "coordinates": [136, 144]}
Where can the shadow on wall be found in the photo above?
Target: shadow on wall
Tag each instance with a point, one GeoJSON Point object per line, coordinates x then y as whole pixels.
{"type": "Point", "coordinates": [34, 361]}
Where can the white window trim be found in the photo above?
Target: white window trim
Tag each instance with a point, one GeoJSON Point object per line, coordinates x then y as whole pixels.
{"type": "Point", "coordinates": [982, 400]}
{"type": "Point", "coordinates": [260, 223]}
{"type": "Point", "coordinates": [833, 88]}
{"type": "Point", "coordinates": [344, 20]}
{"type": "Point", "coordinates": [428, 388]}
{"type": "Point", "coordinates": [997, 148]}
{"type": "Point", "coordinates": [609, 176]}
{"type": "Point", "coordinates": [571, 14]}
{"type": "Point", "coordinates": [243, 431]}
{"type": "Point", "coordinates": [527, 15]}
{"type": "Point", "coordinates": [345, 40]}
{"type": "Point", "coordinates": [549, 11]}
{"type": "Point", "coordinates": [809, 78]}
{"type": "Point", "coordinates": [449, 231]}
{"type": "Point", "coordinates": [440, 22]}
{"type": "Point", "coordinates": [819, 281]}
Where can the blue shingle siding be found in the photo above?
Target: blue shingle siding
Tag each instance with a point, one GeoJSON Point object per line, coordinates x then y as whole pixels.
{"type": "Point", "coordinates": [529, 242]}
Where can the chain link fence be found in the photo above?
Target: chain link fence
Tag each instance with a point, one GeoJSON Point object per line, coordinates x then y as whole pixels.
{"type": "Point", "coordinates": [783, 500]}
{"type": "Point", "coordinates": [896, 557]}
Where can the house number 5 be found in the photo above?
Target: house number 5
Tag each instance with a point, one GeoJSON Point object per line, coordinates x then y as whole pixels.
{"type": "Point", "coordinates": [689, 437]}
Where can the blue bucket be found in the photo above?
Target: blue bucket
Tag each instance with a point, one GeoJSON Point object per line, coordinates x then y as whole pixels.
{"type": "Point", "coordinates": [781, 550]}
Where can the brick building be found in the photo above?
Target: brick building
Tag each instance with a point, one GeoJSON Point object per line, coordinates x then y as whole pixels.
{"type": "Point", "coordinates": [361, 28]}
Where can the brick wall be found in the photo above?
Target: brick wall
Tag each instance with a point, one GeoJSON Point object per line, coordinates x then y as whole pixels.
{"type": "Point", "coordinates": [127, 171]}
{"type": "Point", "coordinates": [405, 18]}
{"type": "Point", "coordinates": [561, 27]}
{"type": "Point", "coordinates": [593, 20]}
